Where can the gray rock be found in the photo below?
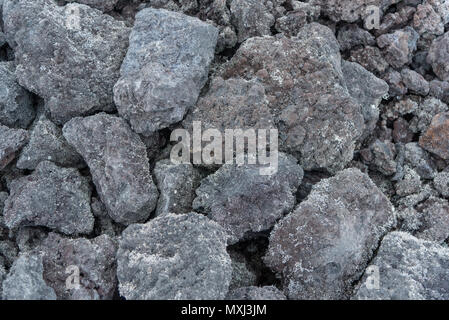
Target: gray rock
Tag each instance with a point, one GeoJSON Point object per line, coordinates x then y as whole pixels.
{"type": "Point", "coordinates": [399, 46]}
{"type": "Point", "coordinates": [441, 183]}
{"type": "Point", "coordinates": [70, 56]}
{"type": "Point", "coordinates": [415, 82]}
{"type": "Point", "coordinates": [418, 159]}
{"type": "Point", "coordinates": [11, 142]}
{"type": "Point", "coordinates": [251, 18]}
{"type": "Point", "coordinates": [47, 143]}
{"type": "Point", "coordinates": [179, 256]}
{"type": "Point", "coordinates": [427, 21]}
{"type": "Point", "coordinates": [54, 197]}
{"type": "Point", "coordinates": [256, 293]}
{"type": "Point", "coordinates": [438, 57]}
{"type": "Point", "coordinates": [394, 80]}
{"type": "Point", "coordinates": [2, 276]}
{"type": "Point", "coordinates": [440, 90]}
{"type": "Point", "coordinates": [409, 269]}
{"type": "Point", "coordinates": [102, 5]}
{"type": "Point", "coordinates": [324, 245]}
{"type": "Point", "coordinates": [410, 183]}
{"type": "Point", "coordinates": [176, 184]}
{"type": "Point", "coordinates": [307, 93]}
{"type": "Point", "coordinates": [367, 90]}
{"type": "Point", "coordinates": [245, 202]}
{"type": "Point", "coordinates": [434, 220]}
{"type": "Point", "coordinates": [371, 58]}
{"type": "Point", "coordinates": [8, 252]}
{"type": "Point", "coordinates": [166, 66]}
{"type": "Point", "coordinates": [118, 162]}
{"type": "Point", "coordinates": [94, 258]}
{"type": "Point", "coordinates": [427, 109]}
{"type": "Point", "coordinates": [25, 280]}
{"type": "Point", "coordinates": [16, 105]}
{"type": "Point", "coordinates": [350, 36]}
{"type": "Point", "coordinates": [383, 157]}
{"type": "Point", "coordinates": [242, 274]}
{"type": "Point", "coordinates": [294, 20]}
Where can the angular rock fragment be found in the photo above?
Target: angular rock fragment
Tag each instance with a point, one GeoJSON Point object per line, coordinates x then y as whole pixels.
{"type": "Point", "coordinates": [172, 257]}
{"type": "Point", "coordinates": [441, 183]}
{"type": "Point", "coordinates": [434, 220]}
{"type": "Point", "coordinates": [243, 201]}
{"type": "Point", "coordinates": [16, 105]}
{"type": "Point", "coordinates": [351, 35]}
{"type": "Point", "coordinates": [415, 82]}
{"type": "Point", "coordinates": [440, 90]}
{"type": "Point", "coordinates": [409, 269]}
{"type": "Point", "coordinates": [25, 280]}
{"type": "Point", "coordinates": [303, 79]}
{"type": "Point", "coordinates": [324, 245]}
{"type": "Point", "coordinates": [399, 46]}
{"type": "Point", "coordinates": [166, 66]}
{"type": "Point", "coordinates": [53, 197]}
{"type": "Point", "coordinates": [367, 90]}
{"type": "Point", "coordinates": [436, 138]}
{"type": "Point", "coordinates": [93, 258]}
{"type": "Point", "coordinates": [70, 55]}
{"type": "Point", "coordinates": [383, 157]}
{"type": "Point", "coordinates": [242, 274]}
{"type": "Point", "coordinates": [251, 18]}
{"type": "Point", "coordinates": [427, 21]}
{"type": "Point", "coordinates": [394, 80]}
{"type": "Point", "coordinates": [11, 142]}
{"type": "Point", "coordinates": [293, 21]}
{"type": "Point", "coordinates": [427, 109]}
{"type": "Point", "coordinates": [118, 162]}
{"type": "Point", "coordinates": [47, 143]}
{"type": "Point", "coordinates": [176, 184]}
{"type": "Point", "coordinates": [370, 58]}
{"type": "Point", "coordinates": [438, 57]}
{"type": "Point", "coordinates": [256, 293]}
{"type": "Point", "coordinates": [417, 158]}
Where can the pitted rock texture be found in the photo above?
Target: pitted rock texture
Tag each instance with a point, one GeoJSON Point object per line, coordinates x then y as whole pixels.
{"type": "Point", "coordinates": [324, 245]}
{"type": "Point", "coordinates": [307, 92]}
{"type": "Point", "coordinates": [54, 197]}
{"type": "Point", "coordinates": [70, 55]}
{"type": "Point", "coordinates": [118, 162]}
{"type": "Point", "coordinates": [245, 202]}
{"type": "Point", "coordinates": [93, 258]}
{"type": "Point", "coordinates": [410, 269]}
{"type": "Point", "coordinates": [11, 142]}
{"type": "Point", "coordinates": [16, 105]}
{"type": "Point", "coordinates": [166, 66]}
{"type": "Point", "coordinates": [436, 138]}
{"type": "Point", "coordinates": [174, 257]}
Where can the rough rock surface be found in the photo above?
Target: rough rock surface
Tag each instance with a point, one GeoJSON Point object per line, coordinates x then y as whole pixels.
{"type": "Point", "coordinates": [252, 18]}
{"type": "Point", "coordinates": [256, 293]}
{"type": "Point", "coordinates": [166, 66]}
{"type": "Point", "coordinates": [53, 197]}
{"type": "Point", "coordinates": [303, 79]}
{"type": "Point", "coordinates": [103, 5]}
{"type": "Point", "coordinates": [118, 162]}
{"type": "Point", "coordinates": [25, 280]}
{"type": "Point", "coordinates": [47, 143]}
{"type": "Point", "coordinates": [324, 245]}
{"type": "Point", "coordinates": [436, 138]}
{"type": "Point", "coordinates": [11, 142]}
{"type": "Point", "coordinates": [176, 184]}
{"type": "Point", "coordinates": [174, 257]}
{"type": "Point", "coordinates": [58, 55]}
{"type": "Point", "coordinates": [94, 258]}
{"type": "Point", "coordinates": [409, 269]}
{"type": "Point", "coordinates": [16, 109]}
{"type": "Point", "coordinates": [438, 57]}
{"type": "Point", "coordinates": [399, 46]}
{"type": "Point", "coordinates": [245, 202]}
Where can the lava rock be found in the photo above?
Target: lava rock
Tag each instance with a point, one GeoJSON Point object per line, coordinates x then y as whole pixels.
{"type": "Point", "coordinates": [409, 269]}
{"type": "Point", "coordinates": [436, 138]}
{"type": "Point", "coordinates": [251, 18]}
{"type": "Point", "coordinates": [118, 162]}
{"type": "Point", "coordinates": [47, 143]}
{"type": "Point", "coordinates": [242, 273]}
{"type": "Point", "coordinates": [11, 142]}
{"type": "Point", "coordinates": [418, 159]}
{"type": "Point", "coordinates": [102, 5]}
{"type": "Point", "coordinates": [176, 184]}
{"type": "Point", "coordinates": [180, 256]}
{"type": "Point", "coordinates": [93, 258]}
{"type": "Point", "coordinates": [294, 20]}
{"type": "Point", "coordinates": [427, 109]}
{"type": "Point", "coordinates": [441, 183]}
{"type": "Point", "coordinates": [303, 78]}
{"type": "Point", "coordinates": [16, 104]}
{"type": "Point", "coordinates": [243, 201]}
{"type": "Point", "coordinates": [370, 58]}
{"type": "Point", "coordinates": [324, 245]}
{"type": "Point", "coordinates": [256, 293]}
{"type": "Point", "coordinates": [25, 280]}
{"type": "Point", "coordinates": [350, 36]}
{"type": "Point", "coordinates": [438, 57]}
{"type": "Point", "coordinates": [70, 55]}
{"type": "Point", "coordinates": [399, 46]}
{"type": "Point", "coordinates": [434, 222]}
{"type": "Point", "coordinates": [166, 66]}
{"type": "Point", "coordinates": [394, 80]}
{"type": "Point", "coordinates": [54, 197]}
{"type": "Point", "coordinates": [415, 82]}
